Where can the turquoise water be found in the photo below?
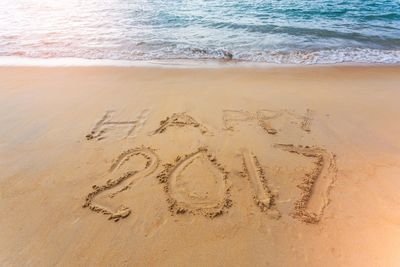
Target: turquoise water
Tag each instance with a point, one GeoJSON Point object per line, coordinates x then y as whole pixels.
{"type": "Point", "coordinates": [285, 31]}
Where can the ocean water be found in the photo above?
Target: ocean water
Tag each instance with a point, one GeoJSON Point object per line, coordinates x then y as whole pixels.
{"type": "Point", "coordinates": [271, 31]}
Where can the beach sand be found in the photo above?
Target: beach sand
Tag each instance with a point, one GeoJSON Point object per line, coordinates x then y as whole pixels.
{"type": "Point", "coordinates": [108, 166]}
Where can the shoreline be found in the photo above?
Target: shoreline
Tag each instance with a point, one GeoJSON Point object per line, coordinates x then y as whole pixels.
{"type": "Point", "coordinates": [10, 61]}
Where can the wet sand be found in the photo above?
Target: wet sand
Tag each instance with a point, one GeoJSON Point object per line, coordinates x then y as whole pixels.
{"type": "Point", "coordinates": [104, 166]}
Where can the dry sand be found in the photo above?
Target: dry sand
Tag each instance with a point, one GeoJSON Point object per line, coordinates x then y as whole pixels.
{"type": "Point", "coordinates": [194, 167]}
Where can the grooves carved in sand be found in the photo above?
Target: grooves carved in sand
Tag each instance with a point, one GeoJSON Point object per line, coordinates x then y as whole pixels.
{"type": "Point", "coordinates": [263, 196]}
{"type": "Point", "coordinates": [265, 118]}
{"type": "Point", "coordinates": [316, 185]}
{"type": "Point", "coordinates": [196, 183]}
{"type": "Point", "coordinates": [230, 116]}
{"type": "Point", "coordinates": [123, 182]}
{"type": "Point", "coordinates": [306, 120]}
{"type": "Point", "coordinates": [179, 120]}
{"type": "Point", "coordinates": [105, 124]}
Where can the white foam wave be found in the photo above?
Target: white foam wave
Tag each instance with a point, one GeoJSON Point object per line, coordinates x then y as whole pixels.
{"type": "Point", "coordinates": [211, 58]}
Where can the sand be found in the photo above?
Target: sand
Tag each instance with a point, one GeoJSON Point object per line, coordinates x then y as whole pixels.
{"type": "Point", "coordinates": [139, 166]}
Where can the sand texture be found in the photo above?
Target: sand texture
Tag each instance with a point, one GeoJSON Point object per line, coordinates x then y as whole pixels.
{"type": "Point", "coordinates": [104, 166]}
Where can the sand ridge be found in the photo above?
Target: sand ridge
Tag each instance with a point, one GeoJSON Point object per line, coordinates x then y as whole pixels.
{"type": "Point", "coordinates": [263, 197]}
{"type": "Point", "coordinates": [107, 124]}
{"type": "Point", "coordinates": [210, 203]}
{"type": "Point", "coordinates": [179, 120]}
{"type": "Point", "coordinates": [316, 185]}
{"type": "Point", "coordinates": [266, 118]}
{"type": "Point", "coordinates": [122, 183]}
